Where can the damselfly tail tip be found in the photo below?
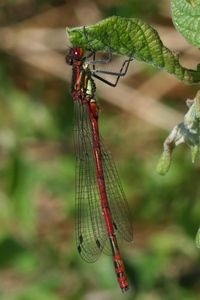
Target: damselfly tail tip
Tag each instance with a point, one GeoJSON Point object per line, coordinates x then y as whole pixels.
{"type": "Point", "coordinates": [123, 283]}
{"type": "Point", "coordinates": [124, 289]}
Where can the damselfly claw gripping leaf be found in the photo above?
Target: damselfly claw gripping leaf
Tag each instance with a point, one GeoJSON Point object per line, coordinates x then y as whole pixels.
{"type": "Point", "coordinates": [133, 38]}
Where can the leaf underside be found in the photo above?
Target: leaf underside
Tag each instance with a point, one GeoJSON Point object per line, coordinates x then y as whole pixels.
{"type": "Point", "coordinates": [132, 38]}
{"type": "Point", "coordinates": [188, 132]}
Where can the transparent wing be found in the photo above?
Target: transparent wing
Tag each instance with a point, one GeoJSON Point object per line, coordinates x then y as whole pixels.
{"type": "Point", "coordinates": [116, 198]}
{"type": "Point", "coordinates": [91, 235]}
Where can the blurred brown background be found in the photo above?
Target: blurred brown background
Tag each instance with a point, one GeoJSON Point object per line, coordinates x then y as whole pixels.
{"type": "Point", "coordinates": [38, 257]}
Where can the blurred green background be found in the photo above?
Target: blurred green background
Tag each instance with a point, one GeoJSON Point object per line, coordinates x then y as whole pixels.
{"type": "Point", "coordinates": [38, 257]}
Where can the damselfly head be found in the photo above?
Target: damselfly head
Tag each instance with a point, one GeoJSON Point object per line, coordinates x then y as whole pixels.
{"type": "Point", "coordinates": [74, 54]}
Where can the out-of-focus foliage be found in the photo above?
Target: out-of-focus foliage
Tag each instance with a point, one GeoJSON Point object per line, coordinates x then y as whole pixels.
{"type": "Point", "coordinates": [38, 259]}
{"type": "Point", "coordinates": [130, 8]}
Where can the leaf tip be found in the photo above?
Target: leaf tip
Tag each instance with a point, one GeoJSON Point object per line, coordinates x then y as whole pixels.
{"type": "Point", "coordinates": [164, 163]}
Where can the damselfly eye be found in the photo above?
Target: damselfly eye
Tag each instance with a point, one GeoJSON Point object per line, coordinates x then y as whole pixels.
{"type": "Point", "coordinates": [74, 54]}
{"type": "Point", "coordinates": [78, 53]}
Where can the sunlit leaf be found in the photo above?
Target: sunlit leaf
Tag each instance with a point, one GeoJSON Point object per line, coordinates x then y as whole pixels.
{"type": "Point", "coordinates": [186, 16]}
{"type": "Point", "coordinates": [132, 38]}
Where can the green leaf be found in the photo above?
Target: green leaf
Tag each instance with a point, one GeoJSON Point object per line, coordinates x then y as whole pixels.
{"type": "Point", "coordinates": [133, 38]}
{"type": "Point", "coordinates": [186, 16]}
{"type": "Point", "coordinates": [192, 2]}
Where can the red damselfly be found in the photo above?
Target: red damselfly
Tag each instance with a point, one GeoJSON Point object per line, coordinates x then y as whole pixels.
{"type": "Point", "coordinates": [102, 212]}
